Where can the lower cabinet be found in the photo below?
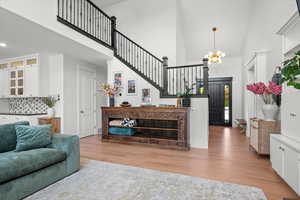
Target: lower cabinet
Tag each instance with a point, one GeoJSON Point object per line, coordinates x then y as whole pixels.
{"type": "Point", "coordinates": [285, 159]}
{"type": "Point", "coordinates": [277, 156]}
{"type": "Point", "coordinates": [7, 119]}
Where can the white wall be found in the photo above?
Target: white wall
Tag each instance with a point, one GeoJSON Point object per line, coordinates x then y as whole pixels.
{"type": "Point", "coordinates": [262, 32]}
{"type": "Point", "coordinates": [152, 24]}
{"type": "Point", "coordinates": [181, 58]}
{"type": "Point", "coordinates": [231, 67]}
{"type": "Point", "coordinates": [115, 65]}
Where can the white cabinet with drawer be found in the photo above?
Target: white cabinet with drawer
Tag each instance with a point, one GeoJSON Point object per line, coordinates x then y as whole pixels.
{"type": "Point", "coordinates": [285, 159]}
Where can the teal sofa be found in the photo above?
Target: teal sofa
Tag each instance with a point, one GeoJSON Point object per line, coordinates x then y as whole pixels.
{"type": "Point", "coordinates": [24, 173]}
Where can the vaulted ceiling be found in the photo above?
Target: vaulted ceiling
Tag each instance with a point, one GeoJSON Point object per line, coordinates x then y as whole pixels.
{"type": "Point", "coordinates": [200, 16]}
{"type": "Point", "coordinates": [231, 17]}
{"type": "Point", "coordinates": [106, 2]}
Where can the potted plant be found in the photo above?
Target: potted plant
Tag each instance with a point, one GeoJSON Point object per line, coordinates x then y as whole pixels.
{"type": "Point", "coordinates": [291, 71]}
{"type": "Point", "coordinates": [266, 92]}
{"type": "Point", "coordinates": [50, 102]}
{"type": "Point", "coordinates": [110, 91]}
{"type": "Point", "coordinates": [186, 95]}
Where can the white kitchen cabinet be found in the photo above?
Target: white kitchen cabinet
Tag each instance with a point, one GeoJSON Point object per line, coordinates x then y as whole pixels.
{"type": "Point", "coordinates": [285, 159]}
{"type": "Point", "coordinates": [7, 119]}
{"type": "Point", "coordinates": [3, 83]}
{"type": "Point", "coordinates": [291, 172]}
{"type": "Point", "coordinates": [4, 119]}
{"type": "Point", "coordinates": [277, 156]}
{"type": "Point", "coordinates": [31, 81]}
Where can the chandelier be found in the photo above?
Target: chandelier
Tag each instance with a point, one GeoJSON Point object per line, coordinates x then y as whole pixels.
{"type": "Point", "coordinates": [215, 56]}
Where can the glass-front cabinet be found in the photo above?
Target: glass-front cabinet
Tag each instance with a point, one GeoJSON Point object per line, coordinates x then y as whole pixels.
{"type": "Point", "coordinates": [19, 77]}
{"type": "Point", "coordinates": [16, 80]}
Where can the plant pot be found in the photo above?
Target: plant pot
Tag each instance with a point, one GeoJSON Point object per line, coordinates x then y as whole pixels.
{"type": "Point", "coordinates": [51, 112]}
{"type": "Point", "coordinates": [111, 101]}
{"type": "Point", "coordinates": [270, 112]}
{"type": "Point", "coordinates": [186, 102]}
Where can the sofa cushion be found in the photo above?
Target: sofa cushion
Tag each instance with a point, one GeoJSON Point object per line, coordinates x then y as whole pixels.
{"type": "Point", "coordinates": [8, 137]}
{"type": "Point", "coordinates": [16, 164]}
{"type": "Point", "coordinates": [33, 137]}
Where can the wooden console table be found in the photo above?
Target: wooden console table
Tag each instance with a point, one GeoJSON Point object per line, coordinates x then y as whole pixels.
{"type": "Point", "coordinates": [156, 126]}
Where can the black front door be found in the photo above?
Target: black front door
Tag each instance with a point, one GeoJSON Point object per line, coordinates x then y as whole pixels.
{"type": "Point", "coordinates": [220, 101]}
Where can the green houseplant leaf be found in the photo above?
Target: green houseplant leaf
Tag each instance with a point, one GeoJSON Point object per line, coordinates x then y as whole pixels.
{"type": "Point", "coordinates": [291, 71]}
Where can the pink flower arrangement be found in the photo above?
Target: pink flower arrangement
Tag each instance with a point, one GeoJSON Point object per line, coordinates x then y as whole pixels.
{"type": "Point", "coordinates": [109, 90]}
{"type": "Point", "coordinates": [265, 91]}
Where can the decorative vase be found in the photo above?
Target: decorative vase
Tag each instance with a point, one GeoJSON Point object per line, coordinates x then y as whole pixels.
{"type": "Point", "coordinates": [270, 112]}
{"type": "Point", "coordinates": [186, 102]}
{"type": "Point", "coordinates": [111, 101]}
{"type": "Point", "coordinates": [51, 112]}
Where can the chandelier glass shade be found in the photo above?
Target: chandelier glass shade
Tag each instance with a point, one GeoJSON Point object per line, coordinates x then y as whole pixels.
{"type": "Point", "coordinates": [215, 57]}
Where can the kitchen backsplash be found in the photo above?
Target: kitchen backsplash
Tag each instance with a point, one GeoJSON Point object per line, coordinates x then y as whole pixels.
{"type": "Point", "coordinates": [29, 105]}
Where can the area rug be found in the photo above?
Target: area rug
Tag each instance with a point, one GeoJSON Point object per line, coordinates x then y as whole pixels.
{"type": "Point", "coordinates": [106, 181]}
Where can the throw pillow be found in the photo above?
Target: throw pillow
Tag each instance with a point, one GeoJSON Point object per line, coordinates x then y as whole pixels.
{"type": "Point", "coordinates": [8, 137]}
{"type": "Point", "coordinates": [33, 137]}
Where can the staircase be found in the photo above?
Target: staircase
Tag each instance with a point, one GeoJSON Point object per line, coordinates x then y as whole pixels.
{"type": "Point", "coordinates": [85, 17]}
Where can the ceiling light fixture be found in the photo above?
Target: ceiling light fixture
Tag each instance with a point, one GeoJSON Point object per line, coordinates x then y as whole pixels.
{"type": "Point", "coordinates": [2, 44]}
{"type": "Point", "coordinates": [215, 56]}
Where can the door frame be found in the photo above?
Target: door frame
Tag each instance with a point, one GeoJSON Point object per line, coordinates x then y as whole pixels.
{"type": "Point", "coordinates": [229, 81]}
{"type": "Point", "coordinates": [94, 72]}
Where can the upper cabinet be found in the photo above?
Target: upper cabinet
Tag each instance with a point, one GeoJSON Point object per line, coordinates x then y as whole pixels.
{"type": "Point", "coordinates": [20, 77]}
{"type": "Point", "coordinates": [290, 35]}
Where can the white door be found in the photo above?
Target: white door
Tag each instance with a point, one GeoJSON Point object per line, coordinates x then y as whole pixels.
{"type": "Point", "coordinates": [87, 90]}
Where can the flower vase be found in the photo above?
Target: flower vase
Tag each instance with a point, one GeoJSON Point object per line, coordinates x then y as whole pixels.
{"type": "Point", "coordinates": [270, 112]}
{"type": "Point", "coordinates": [51, 112]}
{"type": "Point", "coordinates": [111, 101]}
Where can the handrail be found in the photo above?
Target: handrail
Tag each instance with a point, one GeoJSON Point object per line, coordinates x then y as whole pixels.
{"type": "Point", "coordinates": [185, 66]}
{"type": "Point", "coordinates": [102, 12]}
{"type": "Point", "coordinates": [139, 59]}
{"type": "Point", "coordinates": [87, 18]}
{"type": "Point", "coordinates": [138, 46]}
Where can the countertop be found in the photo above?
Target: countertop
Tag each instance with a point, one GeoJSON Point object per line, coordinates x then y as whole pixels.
{"type": "Point", "coordinates": [23, 114]}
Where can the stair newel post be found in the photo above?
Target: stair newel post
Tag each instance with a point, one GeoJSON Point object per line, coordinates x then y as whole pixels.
{"type": "Point", "coordinates": [165, 75]}
{"type": "Point", "coordinates": [113, 33]}
{"type": "Point", "coordinates": [205, 76]}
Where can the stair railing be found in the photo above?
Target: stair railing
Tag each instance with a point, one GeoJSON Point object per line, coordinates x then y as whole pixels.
{"type": "Point", "coordinates": [177, 78]}
{"type": "Point", "coordinates": [139, 59]}
{"type": "Point", "coordinates": [85, 17]}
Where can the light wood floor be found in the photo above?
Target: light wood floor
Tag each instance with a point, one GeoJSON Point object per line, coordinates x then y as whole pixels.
{"type": "Point", "coordinates": [228, 159]}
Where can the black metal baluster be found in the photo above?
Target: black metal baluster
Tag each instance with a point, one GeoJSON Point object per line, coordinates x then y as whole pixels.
{"type": "Point", "coordinates": [101, 28]}
{"type": "Point", "coordinates": [174, 82]}
{"type": "Point", "coordinates": [67, 10]}
{"type": "Point", "coordinates": [74, 12]}
{"type": "Point", "coordinates": [98, 25]}
{"type": "Point", "coordinates": [71, 11]}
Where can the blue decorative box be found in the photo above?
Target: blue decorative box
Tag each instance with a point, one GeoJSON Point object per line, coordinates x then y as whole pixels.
{"type": "Point", "coordinates": [121, 131]}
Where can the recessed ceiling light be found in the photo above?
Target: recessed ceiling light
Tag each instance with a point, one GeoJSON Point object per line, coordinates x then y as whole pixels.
{"type": "Point", "coordinates": [2, 44]}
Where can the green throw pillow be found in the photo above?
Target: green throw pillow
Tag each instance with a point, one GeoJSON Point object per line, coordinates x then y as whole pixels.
{"type": "Point", "coordinates": [33, 137]}
{"type": "Point", "coordinates": [8, 137]}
